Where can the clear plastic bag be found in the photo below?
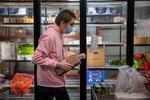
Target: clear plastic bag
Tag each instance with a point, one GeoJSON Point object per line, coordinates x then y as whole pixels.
{"type": "Point", "coordinates": [130, 81]}
{"type": "Point", "coordinates": [143, 26]}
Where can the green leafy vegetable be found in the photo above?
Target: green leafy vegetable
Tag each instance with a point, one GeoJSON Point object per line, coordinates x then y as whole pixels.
{"type": "Point", "coordinates": [25, 49]}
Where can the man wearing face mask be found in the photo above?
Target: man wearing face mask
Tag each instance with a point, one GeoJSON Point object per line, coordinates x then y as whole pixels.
{"type": "Point", "coordinates": [49, 55]}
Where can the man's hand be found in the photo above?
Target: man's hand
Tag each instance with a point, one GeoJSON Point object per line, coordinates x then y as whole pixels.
{"type": "Point", "coordinates": [64, 65]}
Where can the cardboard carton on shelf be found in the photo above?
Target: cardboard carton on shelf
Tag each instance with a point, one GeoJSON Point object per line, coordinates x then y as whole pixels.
{"type": "Point", "coordinates": [148, 40]}
{"type": "Point", "coordinates": [140, 40]}
{"type": "Point", "coordinates": [20, 20]}
{"type": "Point", "coordinates": [26, 19]}
{"type": "Point", "coordinates": [96, 59]}
{"type": "Point", "coordinates": [32, 19]}
{"type": "Point", "coordinates": [6, 20]}
{"type": "Point", "coordinates": [1, 20]}
{"type": "Point", "coordinates": [12, 20]}
{"type": "Point", "coordinates": [73, 60]}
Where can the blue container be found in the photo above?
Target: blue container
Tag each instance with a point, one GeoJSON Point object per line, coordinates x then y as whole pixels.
{"type": "Point", "coordinates": [2, 10]}
{"type": "Point", "coordinates": [94, 76]}
{"type": "Point", "coordinates": [13, 10]}
{"type": "Point", "coordinates": [101, 10]}
{"type": "Point", "coordinates": [115, 10]}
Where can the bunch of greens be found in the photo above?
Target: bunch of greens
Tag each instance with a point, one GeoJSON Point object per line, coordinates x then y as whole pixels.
{"type": "Point", "coordinates": [118, 62]}
{"type": "Point", "coordinates": [25, 49]}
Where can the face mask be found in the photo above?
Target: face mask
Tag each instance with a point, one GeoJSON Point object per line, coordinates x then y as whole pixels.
{"type": "Point", "coordinates": [68, 30]}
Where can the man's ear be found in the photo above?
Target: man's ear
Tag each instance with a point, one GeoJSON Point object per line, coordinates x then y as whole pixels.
{"type": "Point", "coordinates": [61, 23]}
{"type": "Point", "coordinates": [64, 23]}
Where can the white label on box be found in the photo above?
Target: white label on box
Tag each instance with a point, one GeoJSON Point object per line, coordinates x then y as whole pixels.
{"type": "Point", "coordinates": [89, 40]}
{"type": "Point", "coordinates": [99, 40]}
{"type": "Point", "coordinates": [94, 43]}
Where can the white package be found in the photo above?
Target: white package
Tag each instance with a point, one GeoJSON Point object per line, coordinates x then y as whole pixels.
{"type": "Point", "coordinates": [7, 51]}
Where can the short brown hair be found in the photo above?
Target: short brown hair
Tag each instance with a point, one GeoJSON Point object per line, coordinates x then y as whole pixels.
{"type": "Point", "coordinates": [65, 16]}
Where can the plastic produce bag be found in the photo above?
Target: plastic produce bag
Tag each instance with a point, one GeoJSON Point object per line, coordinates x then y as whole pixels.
{"type": "Point", "coordinates": [143, 26]}
{"type": "Point", "coordinates": [130, 81]}
{"type": "Point", "coordinates": [21, 83]}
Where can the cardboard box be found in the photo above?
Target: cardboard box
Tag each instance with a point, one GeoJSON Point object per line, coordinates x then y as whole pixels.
{"type": "Point", "coordinates": [96, 59]}
{"type": "Point", "coordinates": [20, 20]}
{"type": "Point", "coordinates": [1, 20]}
{"type": "Point", "coordinates": [148, 40]}
{"type": "Point", "coordinates": [26, 19]}
{"type": "Point", "coordinates": [12, 20]}
{"type": "Point", "coordinates": [6, 20]}
{"type": "Point", "coordinates": [140, 40]}
{"type": "Point", "coordinates": [73, 60]}
{"type": "Point", "coordinates": [73, 72]}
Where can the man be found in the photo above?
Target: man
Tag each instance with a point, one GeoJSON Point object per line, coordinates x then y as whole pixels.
{"type": "Point", "coordinates": [49, 55]}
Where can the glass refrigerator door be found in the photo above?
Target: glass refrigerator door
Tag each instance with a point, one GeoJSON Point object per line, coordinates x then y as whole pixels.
{"type": "Point", "coordinates": [142, 35]}
{"type": "Point", "coordinates": [106, 32]}
{"type": "Point", "coordinates": [49, 11]}
{"type": "Point", "coordinates": [16, 49]}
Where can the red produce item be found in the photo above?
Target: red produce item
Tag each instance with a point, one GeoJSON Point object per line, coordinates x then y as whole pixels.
{"type": "Point", "coordinates": [149, 64]}
{"type": "Point", "coordinates": [145, 66]}
{"type": "Point", "coordinates": [21, 83]}
{"type": "Point", "coordinates": [138, 56]}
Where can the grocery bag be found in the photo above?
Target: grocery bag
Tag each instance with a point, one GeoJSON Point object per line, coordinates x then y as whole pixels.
{"type": "Point", "coordinates": [130, 81]}
{"type": "Point", "coordinates": [21, 83]}
{"type": "Point", "coordinates": [130, 85]}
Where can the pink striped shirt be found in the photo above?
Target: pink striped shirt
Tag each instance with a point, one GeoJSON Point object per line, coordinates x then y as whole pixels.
{"type": "Point", "coordinates": [47, 55]}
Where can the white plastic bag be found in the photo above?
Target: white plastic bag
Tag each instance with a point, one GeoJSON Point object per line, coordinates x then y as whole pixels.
{"type": "Point", "coordinates": [130, 81]}
{"type": "Point", "coordinates": [143, 26]}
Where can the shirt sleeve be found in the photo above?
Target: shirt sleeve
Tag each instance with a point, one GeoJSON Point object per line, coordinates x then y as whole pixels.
{"type": "Point", "coordinates": [41, 53]}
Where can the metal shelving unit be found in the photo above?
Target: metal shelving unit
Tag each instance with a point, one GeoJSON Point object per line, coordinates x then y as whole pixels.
{"type": "Point", "coordinates": [108, 67]}
{"type": "Point", "coordinates": [100, 44]}
{"type": "Point", "coordinates": [16, 60]}
{"type": "Point", "coordinates": [15, 37]}
{"type": "Point", "coordinates": [14, 64]}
